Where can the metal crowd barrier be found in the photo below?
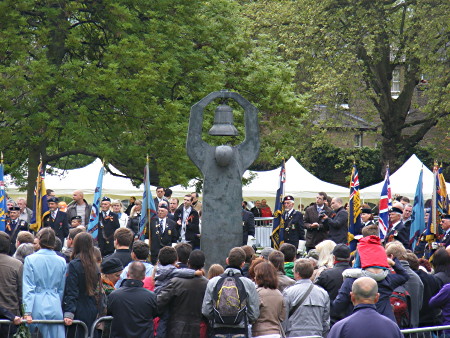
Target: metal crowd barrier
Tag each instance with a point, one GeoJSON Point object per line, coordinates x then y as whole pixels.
{"type": "Point", "coordinates": [263, 231]}
{"type": "Point", "coordinates": [426, 332]}
{"type": "Point", "coordinates": [51, 322]}
{"type": "Point", "coordinates": [98, 321]}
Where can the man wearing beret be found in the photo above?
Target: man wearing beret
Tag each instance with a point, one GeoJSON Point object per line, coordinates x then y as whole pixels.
{"type": "Point", "coordinates": [13, 226]}
{"type": "Point", "coordinates": [108, 223]}
{"type": "Point", "coordinates": [163, 232]}
{"type": "Point", "coordinates": [445, 224]}
{"type": "Point", "coordinates": [56, 219]}
{"type": "Point", "coordinates": [397, 230]}
{"type": "Point", "coordinates": [293, 223]}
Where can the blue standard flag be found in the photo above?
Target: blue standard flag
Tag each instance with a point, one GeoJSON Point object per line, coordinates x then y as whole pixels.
{"type": "Point", "coordinates": [418, 214]}
{"type": "Point", "coordinates": [278, 221]}
{"type": "Point", "coordinates": [94, 218]}
{"type": "Point", "coordinates": [147, 203]}
{"type": "Point", "coordinates": [354, 216]}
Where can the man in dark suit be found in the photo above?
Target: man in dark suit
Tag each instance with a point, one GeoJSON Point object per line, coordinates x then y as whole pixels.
{"type": "Point", "coordinates": [397, 230]}
{"type": "Point", "coordinates": [13, 226]}
{"type": "Point", "coordinates": [256, 210]}
{"type": "Point", "coordinates": [337, 226]}
{"type": "Point", "coordinates": [108, 223]}
{"type": "Point", "coordinates": [248, 225]}
{"type": "Point", "coordinates": [293, 223]}
{"type": "Point", "coordinates": [163, 232]}
{"type": "Point", "coordinates": [56, 219]}
{"type": "Point", "coordinates": [188, 223]}
{"type": "Point", "coordinates": [445, 224]}
{"type": "Point", "coordinates": [160, 197]}
{"type": "Point", "coordinates": [315, 230]}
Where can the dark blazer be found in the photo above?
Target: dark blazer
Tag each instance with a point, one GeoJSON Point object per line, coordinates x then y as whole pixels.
{"type": "Point", "coordinates": [256, 211]}
{"type": "Point", "coordinates": [338, 226]}
{"type": "Point", "coordinates": [60, 224]}
{"type": "Point", "coordinates": [248, 223]}
{"type": "Point", "coordinates": [192, 225]}
{"type": "Point", "coordinates": [159, 239]}
{"type": "Point", "coordinates": [399, 234]}
{"type": "Point", "coordinates": [315, 235]}
{"type": "Point", "coordinates": [331, 279]}
{"type": "Point", "coordinates": [106, 229]}
{"type": "Point", "coordinates": [13, 231]}
{"type": "Point", "coordinates": [446, 240]}
{"type": "Point", "coordinates": [293, 228]}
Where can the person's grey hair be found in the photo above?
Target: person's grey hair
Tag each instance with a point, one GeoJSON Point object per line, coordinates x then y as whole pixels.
{"type": "Point", "coordinates": [24, 250]}
{"type": "Point", "coordinates": [136, 270]}
{"type": "Point", "coordinates": [365, 288]}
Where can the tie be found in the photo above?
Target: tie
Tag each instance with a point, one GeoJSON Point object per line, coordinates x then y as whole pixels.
{"type": "Point", "coordinates": [161, 224]}
{"type": "Point", "coordinates": [53, 214]}
{"type": "Point", "coordinates": [104, 214]}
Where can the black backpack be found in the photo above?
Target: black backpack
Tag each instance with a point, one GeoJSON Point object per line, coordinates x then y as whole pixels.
{"type": "Point", "coordinates": [230, 299]}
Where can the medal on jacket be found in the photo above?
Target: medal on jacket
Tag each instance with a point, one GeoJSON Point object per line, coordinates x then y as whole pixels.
{"type": "Point", "coordinates": [169, 232]}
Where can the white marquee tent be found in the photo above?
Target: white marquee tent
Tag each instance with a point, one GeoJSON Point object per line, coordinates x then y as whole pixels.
{"type": "Point", "coordinates": [404, 181]}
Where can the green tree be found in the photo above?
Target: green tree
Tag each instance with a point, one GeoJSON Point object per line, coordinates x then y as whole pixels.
{"type": "Point", "coordinates": [354, 47]}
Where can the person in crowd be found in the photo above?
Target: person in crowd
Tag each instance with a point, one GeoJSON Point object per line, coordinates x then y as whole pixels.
{"type": "Point", "coordinates": [277, 260]}
{"type": "Point", "coordinates": [117, 207]}
{"type": "Point", "coordinates": [14, 225]}
{"type": "Point", "coordinates": [248, 226]}
{"type": "Point", "coordinates": [82, 283]}
{"type": "Point", "coordinates": [326, 258]}
{"type": "Point", "coordinates": [293, 222]}
{"type": "Point", "coordinates": [249, 257]}
{"type": "Point", "coordinates": [130, 205]}
{"type": "Point", "coordinates": [69, 248]}
{"type": "Point", "coordinates": [108, 224]}
{"type": "Point", "coordinates": [183, 252]}
{"type": "Point", "coordinates": [44, 276]}
{"type": "Point", "coordinates": [58, 249]}
{"type": "Point", "coordinates": [235, 261]}
{"type": "Point", "coordinates": [331, 279]}
{"type": "Point", "coordinates": [406, 216]}
{"type": "Point", "coordinates": [428, 316]}
{"type": "Point", "coordinates": [168, 193]}
{"type": "Point", "coordinates": [10, 287]}
{"type": "Point", "coordinates": [215, 270]}
{"type": "Point", "coordinates": [441, 266]}
{"type": "Point", "coordinates": [62, 206]}
{"type": "Point", "coordinates": [173, 205]}
{"type": "Point", "coordinates": [196, 202]}
{"type": "Point", "coordinates": [188, 223]}
{"type": "Point", "coordinates": [132, 306]}
{"type": "Point", "coordinates": [165, 271]}
{"type": "Point", "coordinates": [289, 251]}
{"type": "Point", "coordinates": [183, 298]}
{"type": "Point", "coordinates": [374, 263]}
{"type": "Point", "coordinates": [163, 233]}
{"type": "Point", "coordinates": [414, 285]}
{"type": "Point", "coordinates": [9, 204]}
{"type": "Point", "coordinates": [139, 253]}
{"type": "Point", "coordinates": [256, 210]}
{"type": "Point", "coordinates": [366, 215]}
{"type": "Point", "coordinates": [445, 224]}
{"type": "Point", "coordinates": [160, 197]}
{"type": "Point", "coordinates": [307, 305]}
{"type": "Point", "coordinates": [123, 238]}
{"type": "Point", "coordinates": [75, 222]}
{"type": "Point", "coordinates": [315, 230]}
{"type": "Point", "coordinates": [79, 207]}
{"type": "Point", "coordinates": [24, 237]}
{"type": "Point", "coordinates": [135, 218]}
{"type": "Point", "coordinates": [338, 224]}
{"type": "Point", "coordinates": [370, 230]}
{"type": "Point", "coordinates": [251, 269]}
{"type": "Point", "coordinates": [25, 213]}
{"type": "Point", "coordinates": [365, 322]}
{"type": "Point", "coordinates": [442, 301]}
{"type": "Point", "coordinates": [397, 230]}
{"type": "Point", "coordinates": [111, 271]}
{"type": "Point", "coordinates": [55, 219]}
{"type": "Point", "coordinates": [23, 251]}
{"type": "Point", "coordinates": [271, 307]}
{"type": "Point", "coordinates": [265, 209]}
{"type": "Point", "coordinates": [266, 252]}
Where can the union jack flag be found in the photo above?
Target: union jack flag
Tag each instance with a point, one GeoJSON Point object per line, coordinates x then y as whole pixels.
{"type": "Point", "coordinates": [385, 204]}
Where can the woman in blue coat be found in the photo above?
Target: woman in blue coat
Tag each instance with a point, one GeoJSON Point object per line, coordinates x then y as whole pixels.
{"type": "Point", "coordinates": [44, 275]}
{"type": "Point", "coordinates": [83, 280]}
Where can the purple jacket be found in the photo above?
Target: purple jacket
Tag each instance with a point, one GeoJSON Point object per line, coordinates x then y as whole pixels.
{"type": "Point", "coordinates": [442, 300]}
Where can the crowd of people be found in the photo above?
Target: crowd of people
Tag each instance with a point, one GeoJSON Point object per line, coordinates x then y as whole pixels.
{"type": "Point", "coordinates": [160, 286]}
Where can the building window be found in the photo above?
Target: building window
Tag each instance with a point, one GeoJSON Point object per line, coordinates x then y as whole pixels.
{"type": "Point", "coordinates": [358, 140]}
{"type": "Point", "coordinates": [395, 87]}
